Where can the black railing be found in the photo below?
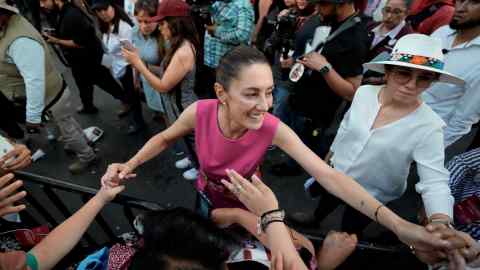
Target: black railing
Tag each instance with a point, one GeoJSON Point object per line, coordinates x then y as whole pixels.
{"type": "Point", "coordinates": [51, 185]}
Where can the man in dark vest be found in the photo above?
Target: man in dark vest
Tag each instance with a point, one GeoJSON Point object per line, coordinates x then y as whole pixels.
{"type": "Point", "coordinates": [27, 72]}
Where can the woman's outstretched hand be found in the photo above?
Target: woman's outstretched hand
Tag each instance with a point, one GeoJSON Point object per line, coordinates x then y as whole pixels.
{"type": "Point", "coordinates": [429, 245]}
{"type": "Point", "coordinates": [116, 174]}
{"type": "Point", "coordinates": [255, 195]}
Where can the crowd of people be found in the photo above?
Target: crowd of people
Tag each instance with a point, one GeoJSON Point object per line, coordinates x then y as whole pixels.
{"type": "Point", "coordinates": [362, 96]}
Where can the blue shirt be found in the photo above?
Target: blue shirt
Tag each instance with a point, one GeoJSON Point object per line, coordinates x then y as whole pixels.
{"type": "Point", "coordinates": [148, 50]}
{"type": "Point", "coordinates": [235, 22]}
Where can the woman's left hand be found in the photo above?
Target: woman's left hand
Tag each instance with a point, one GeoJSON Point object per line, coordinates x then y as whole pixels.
{"type": "Point", "coordinates": [256, 196]}
{"type": "Point", "coordinates": [423, 240]}
{"type": "Point", "coordinates": [132, 56]}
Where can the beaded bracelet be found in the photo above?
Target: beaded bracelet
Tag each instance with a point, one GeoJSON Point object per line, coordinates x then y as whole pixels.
{"type": "Point", "coordinates": [276, 215]}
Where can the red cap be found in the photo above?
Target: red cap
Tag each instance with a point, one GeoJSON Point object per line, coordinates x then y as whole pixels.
{"type": "Point", "coordinates": [171, 8]}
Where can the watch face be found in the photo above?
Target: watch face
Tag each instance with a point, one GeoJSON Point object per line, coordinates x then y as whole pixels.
{"type": "Point", "coordinates": [296, 72]}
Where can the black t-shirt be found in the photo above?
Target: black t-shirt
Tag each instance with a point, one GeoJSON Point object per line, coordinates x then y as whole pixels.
{"type": "Point", "coordinates": [305, 33]}
{"type": "Point", "coordinates": [346, 53]}
{"type": "Point", "coordinates": [74, 25]}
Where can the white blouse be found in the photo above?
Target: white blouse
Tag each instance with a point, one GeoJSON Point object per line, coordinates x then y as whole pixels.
{"type": "Point", "coordinates": [113, 47]}
{"type": "Point", "coordinates": [379, 159]}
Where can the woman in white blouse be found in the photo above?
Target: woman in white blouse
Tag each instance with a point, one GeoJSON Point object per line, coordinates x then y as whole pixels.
{"type": "Point", "coordinates": [388, 127]}
{"type": "Point", "coordinates": [117, 28]}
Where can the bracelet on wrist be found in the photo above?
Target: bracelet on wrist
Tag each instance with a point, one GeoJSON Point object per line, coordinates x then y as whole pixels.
{"type": "Point", "coordinates": [269, 217]}
{"type": "Point", "coordinates": [443, 221]}
{"type": "Point", "coordinates": [376, 212]}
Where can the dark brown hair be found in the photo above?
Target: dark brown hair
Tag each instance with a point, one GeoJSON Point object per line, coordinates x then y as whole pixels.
{"type": "Point", "coordinates": [232, 63]}
{"type": "Point", "coordinates": [149, 7]}
{"type": "Point", "coordinates": [182, 29]}
{"type": "Point", "coordinates": [120, 15]}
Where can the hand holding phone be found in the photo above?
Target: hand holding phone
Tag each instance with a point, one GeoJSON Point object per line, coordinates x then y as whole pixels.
{"type": "Point", "coordinates": [126, 44]}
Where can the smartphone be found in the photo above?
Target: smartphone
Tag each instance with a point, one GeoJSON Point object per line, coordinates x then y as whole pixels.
{"type": "Point", "coordinates": [126, 44]}
{"type": "Point", "coordinates": [49, 31]}
{"type": "Point", "coordinates": [5, 146]}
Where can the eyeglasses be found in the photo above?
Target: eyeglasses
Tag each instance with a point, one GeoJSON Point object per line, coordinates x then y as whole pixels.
{"type": "Point", "coordinates": [393, 11]}
{"type": "Point", "coordinates": [422, 80]}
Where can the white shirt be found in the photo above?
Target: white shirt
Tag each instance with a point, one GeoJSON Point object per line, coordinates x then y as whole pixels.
{"type": "Point", "coordinates": [21, 52]}
{"type": "Point", "coordinates": [114, 48]}
{"type": "Point", "coordinates": [380, 159]}
{"type": "Point", "coordinates": [392, 34]}
{"type": "Point", "coordinates": [458, 106]}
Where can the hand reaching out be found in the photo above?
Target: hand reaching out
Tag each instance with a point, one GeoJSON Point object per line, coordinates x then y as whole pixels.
{"type": "Point", "coordinates": [256, 196]}
{"type": "Point", "coordinates": [107, 194]}
{"type": "Point", "coordinates": [19, 158]}
{"type": "Point", "coordinates": [9, 195]}
{"type": "Point", "coordinates": [116, 174]}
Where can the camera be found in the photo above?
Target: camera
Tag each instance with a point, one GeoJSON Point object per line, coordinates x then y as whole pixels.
{"type": "Point", "coordinates": [283, 38]}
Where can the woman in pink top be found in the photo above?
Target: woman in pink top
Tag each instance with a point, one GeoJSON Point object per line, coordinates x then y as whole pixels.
{"type": "Point", "coordinates": [234, 132]}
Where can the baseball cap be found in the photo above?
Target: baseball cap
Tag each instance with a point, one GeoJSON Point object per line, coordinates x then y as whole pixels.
{"type": "Point", "coordinates": [171, 8]}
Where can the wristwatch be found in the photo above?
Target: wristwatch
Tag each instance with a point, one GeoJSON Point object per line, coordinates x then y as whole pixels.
{"type": "Point", "coordinates": [325, 69]}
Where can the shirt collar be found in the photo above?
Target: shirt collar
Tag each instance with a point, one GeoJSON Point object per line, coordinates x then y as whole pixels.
{"type": "Point", "coordinates": [451, 34]}
{"type": "Point", "coordinates": [393, 33]}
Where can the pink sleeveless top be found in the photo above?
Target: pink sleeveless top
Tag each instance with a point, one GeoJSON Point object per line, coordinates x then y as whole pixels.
{"type": "Point", "coordinates": [216, 153]}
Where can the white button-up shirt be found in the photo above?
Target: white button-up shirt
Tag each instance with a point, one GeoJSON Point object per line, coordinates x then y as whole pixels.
{"type": "Point", "coordinates": [392, 34]}
{"type": "Point", "coordinates": [459, 106]}
{"type": "Point", "coordinates": [379, 159]}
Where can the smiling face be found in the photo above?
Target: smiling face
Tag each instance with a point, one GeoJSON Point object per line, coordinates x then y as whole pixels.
{"type": "Point", "coordinates": [249, 96]}
{"type": "Point", "coordinates": [407, 84]}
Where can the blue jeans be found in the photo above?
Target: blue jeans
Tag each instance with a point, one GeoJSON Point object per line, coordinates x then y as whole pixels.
{"type": "Point", "coordinates": [280, 103]}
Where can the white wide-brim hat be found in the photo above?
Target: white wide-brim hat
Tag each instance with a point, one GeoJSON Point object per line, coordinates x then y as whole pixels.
{"type": "Point", "coordinates": [4, 5]}
{"type": "Point", "coordinates": [420, 52]}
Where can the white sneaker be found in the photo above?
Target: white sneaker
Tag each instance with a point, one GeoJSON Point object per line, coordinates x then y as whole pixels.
{"type": "Point", "coordinates": [183, 163]}
{"type": "Point", "coordinates": [191, 174]}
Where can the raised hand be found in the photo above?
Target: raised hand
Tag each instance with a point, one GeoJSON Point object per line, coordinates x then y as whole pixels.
{"type": "Point", "coordinates": [256, 196]}
{"type": "Point", "coordinates": [9, 195]}
{"type": "Point", "coordinates": [116, 174]}
{"type": "Point", "coordinates": [431, 243]}
{"type": "Point", "coordinates": [107, 194]}
{"type": "Point", "coordinates": [19, 158]}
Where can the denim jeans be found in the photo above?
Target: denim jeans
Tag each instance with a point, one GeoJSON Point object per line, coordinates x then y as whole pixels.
{"type": "Point", "coordinates": [280, 103]}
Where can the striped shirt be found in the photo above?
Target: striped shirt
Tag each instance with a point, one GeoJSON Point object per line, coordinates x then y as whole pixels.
{"type": "Point", "coordinates": [465, 182]}
{"type": "Point", "coordinates": [235, 23]}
